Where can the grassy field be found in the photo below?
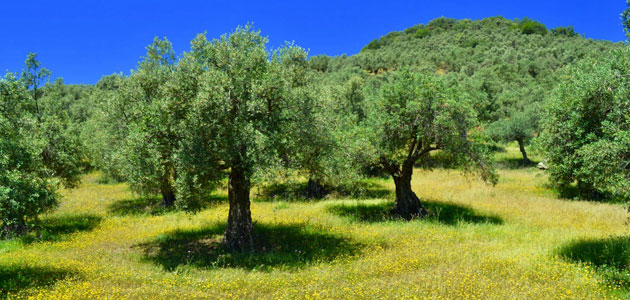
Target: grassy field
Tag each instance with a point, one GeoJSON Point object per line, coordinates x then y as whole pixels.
{"type": "Point", "coordinates": [516, 240]}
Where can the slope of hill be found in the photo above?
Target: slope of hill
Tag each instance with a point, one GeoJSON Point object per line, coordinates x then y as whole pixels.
{"type": "Point", "coordinates": [504, 63]}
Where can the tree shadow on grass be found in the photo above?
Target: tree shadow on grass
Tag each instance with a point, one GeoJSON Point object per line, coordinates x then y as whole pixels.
{"type": "Point", "coordinates": [574, 192]}
{"type": "Point", "coordinates": [56, 228]}
{"type": "Point", "coordinates": [514, 163]}
{"type": "Point", "coordinates": [610, 256]}
{"type": "Point", "coordinates": [276, 246]}
{"type": "Point", "coordinates": [152, 206]}
{"type": "Point", "coordinates": [439, 212]}
{"type": "Point", "coordinates": [297, 192]}
{"type": "Point", "coordinates": [14, 279]}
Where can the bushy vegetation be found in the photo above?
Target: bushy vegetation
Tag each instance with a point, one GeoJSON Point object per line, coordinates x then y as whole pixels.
{"type": "Point", "coordinates": [587, 130]}
{"type": "Point", "coordinates": [38, 149]}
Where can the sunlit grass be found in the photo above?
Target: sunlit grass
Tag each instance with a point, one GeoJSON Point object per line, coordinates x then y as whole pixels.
{"type": "Point", "coordinates": [481, 242]}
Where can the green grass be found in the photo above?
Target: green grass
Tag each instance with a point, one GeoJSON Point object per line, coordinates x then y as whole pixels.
{"type": "Point", "coordinates": [517, 240]}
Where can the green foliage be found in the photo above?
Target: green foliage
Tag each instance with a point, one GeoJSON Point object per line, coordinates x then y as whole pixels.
{"type": "Point", "coordinates": [520, 126]}
{"type": "Point", "coordinates": [319, 62]}
{"type": "Point", "coordinates": [414, 114]}
{"type": "Point", "coordinates": [250, 108]}
{"type": "Point", "coordinates": [442, 23]}
{"type": "Point", "coordinates": [133, 135]}
{"type": "Point", "coordinates": [568, 31]}
{"type": "Point", "coordinates": [625, 19]}
{"type": "Point", "coordinates": [502, 69]}
{"type": "Point", "coordinates": [320, 134]}
{"type": "Point", "coordinates": [529, 26]}
{"type": "Point", "coordinates": [373, 45]}
{"type": "Point", "coordinates": [38, 148]}
{"type": "Point", "coordinates": [419, 31]}
{"type": "Point", "coordinates": [587, 128]}
{"type": "Point", "coordinates": [151, 141]}
{"type": "Point", "coordinates": [105, 131]}
{"type": "Point", "coordinates": [422, 33]}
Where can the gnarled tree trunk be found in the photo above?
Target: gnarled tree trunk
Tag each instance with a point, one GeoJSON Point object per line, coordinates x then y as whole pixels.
{"type": "Point", "coordinates": [407, 204]}
{"type": "Point", "coordinates": [15, 229]}
{"type": "Point", "coordinates": [314, 189]}
{"type": "Point", "coordinates": [238, 234]}
{"type": "Point", "coordinates": [168, 193]}
{"type": "Point", "coordinates": [521, 145]}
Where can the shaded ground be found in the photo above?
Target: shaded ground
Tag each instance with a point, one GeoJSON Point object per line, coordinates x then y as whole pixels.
{"type": "Point", "coordinates": [515, 163]}
{"type": "Point", "coordinates": [153, 206]}
{"type": "Point", "coordinates": [610, 256]}
{"type": "Point", "coordinates": [287, 246]}
{"type": "Point", "coordinates": [297, 192]}
{"type": "Point", "coordinates": [56, 228]}
{"type": "Point", "coordinates": [573, 192]}
{"type": "Point", "coordinates": [444, 213]}
{"type": "Point", "coordinates": [16, 278]}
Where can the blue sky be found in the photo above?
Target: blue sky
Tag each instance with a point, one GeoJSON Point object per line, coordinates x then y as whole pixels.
{"type": "Point", "coordinates": [84, 40]}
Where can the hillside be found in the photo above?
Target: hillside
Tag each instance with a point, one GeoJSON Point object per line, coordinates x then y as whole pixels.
{"type": "Point", "coordinates": [504, 64]}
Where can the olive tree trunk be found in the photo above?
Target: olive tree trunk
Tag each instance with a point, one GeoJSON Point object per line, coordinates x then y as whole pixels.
{"type": "Point", "coordinates": [238, 234]}
{"type": "Point", "coordinates": [521, 145]}
{"type": "Point", "coordinates": [314, 189]}
{"type": "Point", "coordinates": [168, 193]}
{"type": "Point", "coordinates": [15, 229]}
{"type": "Point", "coordinates": [407, 204]}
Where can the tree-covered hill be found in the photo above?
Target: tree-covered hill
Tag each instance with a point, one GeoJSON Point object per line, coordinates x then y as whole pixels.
{"type": "Point", "coordinates": [505, 64]}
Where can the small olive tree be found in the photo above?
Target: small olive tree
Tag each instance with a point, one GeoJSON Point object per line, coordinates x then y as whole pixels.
{"type": "Point", "coordinates": [520, 126]}
{"type": "Point", "coordinates": [413, 115]}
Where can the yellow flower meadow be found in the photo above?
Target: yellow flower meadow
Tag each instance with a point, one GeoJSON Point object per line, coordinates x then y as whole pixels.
{"type": "Point", "coordinates": [482, 242]}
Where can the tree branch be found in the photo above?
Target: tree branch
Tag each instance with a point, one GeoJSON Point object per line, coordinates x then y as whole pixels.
{"type": "Point", "coordinates": [425, 151]}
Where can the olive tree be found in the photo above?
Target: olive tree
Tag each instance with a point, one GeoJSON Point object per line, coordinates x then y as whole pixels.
{"type": "Point", "coordinates": [586, 132]}
{"type": "Point", "coordinates": [25, 189]}
{"type": "Point", "coordinates": [413, 115]}
{"type": "Point", "coordinates": [520, 126]}
{"type": "Point", "coordinates": [37, 149]}
{"type": "Point", "coordinates": [105, 131]}
{"type": "Point", "coordinates": [247, 100]}
{"type": "Point", "coordinates": [137, 116]}
{"type": "Point", "coordinates": [323, 152]}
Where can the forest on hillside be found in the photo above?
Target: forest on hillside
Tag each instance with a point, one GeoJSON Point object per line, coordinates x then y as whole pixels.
{"type": "Point", "coordinates": [232, 114]}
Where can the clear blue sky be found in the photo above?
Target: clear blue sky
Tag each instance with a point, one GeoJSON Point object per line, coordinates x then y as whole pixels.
{"type": "Point", "coordinates": [84, 40]}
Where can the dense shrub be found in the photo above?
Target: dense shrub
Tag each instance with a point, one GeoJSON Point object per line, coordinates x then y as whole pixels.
{"type": "Point", "coordinates": [587, 130]}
